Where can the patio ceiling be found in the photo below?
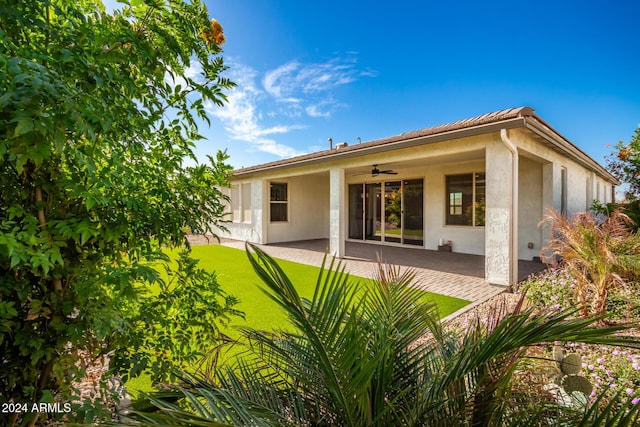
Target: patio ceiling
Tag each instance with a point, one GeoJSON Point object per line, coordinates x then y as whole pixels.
{"type": "Point", "coordinates": [387, 162]}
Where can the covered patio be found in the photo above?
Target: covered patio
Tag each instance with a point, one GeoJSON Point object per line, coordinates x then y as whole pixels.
{"type": "Point", "coordinates": [454, 274]}
{"type": "Point", "coordinates": [478, 187]}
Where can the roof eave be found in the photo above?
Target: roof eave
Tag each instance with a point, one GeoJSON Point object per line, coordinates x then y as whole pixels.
{"type": "Point", "coordinates": [541, 128]}
{"type": "Point", "coordinates": [339, 154]}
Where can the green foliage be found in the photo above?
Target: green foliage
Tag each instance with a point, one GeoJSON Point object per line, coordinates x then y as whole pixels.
{"type": "Point", "coordinates": [625, 165]}
{"type": "Point", "coordinates": [173, 325]}
{"type": "Point", "coordinates": [629, 208]}
{"type": "Point", "coordinates": [98, 114]}
{"type": "Point", "coordinates": [596, 253]}
{"type": "Point", "coordinates": [382, 359]}
{"type": "Point", "coordinates": [393, 207]}
{"type": "Point", "coordinates": [608, 369]}
{"type": "Point", "coordinates": [551, 290]}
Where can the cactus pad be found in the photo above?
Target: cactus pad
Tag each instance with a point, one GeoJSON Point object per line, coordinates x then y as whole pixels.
{"type": "Point", "coordinates": [571, 364]}
{"type": "Point", "coordinates": [573, 383]}
{"type": "Point", "coordinates": [558, 354]}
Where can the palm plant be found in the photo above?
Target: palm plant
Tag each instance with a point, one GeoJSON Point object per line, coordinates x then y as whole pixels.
{"type": "Point", "coordinates": [597, 252]}
{"type": "Point", "coordinates": [373, 357]}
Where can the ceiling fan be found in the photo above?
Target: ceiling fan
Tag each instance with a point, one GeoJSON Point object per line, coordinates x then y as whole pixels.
{"type": "Point", "coordinates": [375, 171]}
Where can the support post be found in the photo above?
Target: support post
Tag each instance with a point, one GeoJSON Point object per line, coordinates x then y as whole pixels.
{"type": "Point", "coordinates": [337, 212]}
{"type": "Point", "coordinates": [501, 224]}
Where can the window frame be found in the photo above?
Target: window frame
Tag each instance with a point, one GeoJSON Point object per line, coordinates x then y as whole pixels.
{"type": "Point", "coordinates": [474, 194]}
{"type": "Point", "coordinates": [280, 202]}
{"type": "Point", "coordinates": [245, 202]}
{"type": "Point", "coordinates": [564, 178]}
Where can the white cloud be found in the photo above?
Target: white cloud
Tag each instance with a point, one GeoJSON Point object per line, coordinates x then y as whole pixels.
{"type": "Point", "coordinates": [242, 120]}
{"type": "Point", "coordinates": [299, 90]}
{"type": "Point", "coordinates": [278, 84]}
{"type": "Point", "coordinates": [314, 111]}
{"type": "Point", "coordinates": [296, 83]}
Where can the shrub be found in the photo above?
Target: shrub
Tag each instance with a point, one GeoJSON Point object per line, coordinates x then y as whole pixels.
{"type": "Point", "coordinates": [611, 370]}
{"type": "Point", "coordinates": [596, 252]}
{"type": "Point", "coordinates": [553, 289]}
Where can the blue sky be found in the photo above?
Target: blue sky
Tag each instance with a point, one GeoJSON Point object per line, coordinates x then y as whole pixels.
{"type": "Point", "coordinates": [307, 71]}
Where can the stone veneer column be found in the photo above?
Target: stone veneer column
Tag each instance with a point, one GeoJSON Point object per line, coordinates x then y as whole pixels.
{"type": "Point", "coordinates": [499, 218]}
{"type": "Point", "coordinates": [337, 212]}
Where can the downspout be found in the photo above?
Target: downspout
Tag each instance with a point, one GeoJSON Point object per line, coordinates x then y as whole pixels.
{"type": "Point", "coordinates": [504, 136]}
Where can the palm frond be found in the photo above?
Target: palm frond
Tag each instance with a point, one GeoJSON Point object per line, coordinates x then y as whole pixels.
{"type": "Point", "coordinates": [379, 357]}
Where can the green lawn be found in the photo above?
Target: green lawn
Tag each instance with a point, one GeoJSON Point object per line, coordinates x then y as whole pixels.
{"type": "Point", "coordinates": [236, 277]}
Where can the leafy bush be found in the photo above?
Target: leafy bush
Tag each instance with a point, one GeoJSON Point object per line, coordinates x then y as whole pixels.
{"type": "Point", "coordinates": [553, 289]}
{"type": "Point", "coordinates": [625, 165]}
{"type": "Point", "coordinates": [596, 252]}
{"type": "Point", "coordinates": [93, 184]}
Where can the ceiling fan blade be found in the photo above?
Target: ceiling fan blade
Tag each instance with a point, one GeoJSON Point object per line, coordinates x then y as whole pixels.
{"type": "Point", "coordinates": [389, 172]}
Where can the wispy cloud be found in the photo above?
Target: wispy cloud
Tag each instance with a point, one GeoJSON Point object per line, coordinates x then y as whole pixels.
{"type": "Point", "coordinates": [242, 119]}
{"type": "Point", "coordinates": [294, 83]}
{"type": "Point", "coordinates": [323, 108]}
{"type": "Point", "coordinates": [288, 94]}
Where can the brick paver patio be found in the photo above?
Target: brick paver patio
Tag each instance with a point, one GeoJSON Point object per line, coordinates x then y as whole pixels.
{"type": "Point", "coordinates": [453, 274]}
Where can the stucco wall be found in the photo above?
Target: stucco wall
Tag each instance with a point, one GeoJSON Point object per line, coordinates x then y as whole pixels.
{"type": "Point", "coordinates": [576, 175]}
{"type": "Point", "coordinates": [539, 188]}
{"type": "Point", "coordinates": [308, 210]}
{"type": "Point", "coordinates": [466, 239]}
{"type": "Point", "coordinates": [530, 208]}
{"type": "Point", "coordinates": [245, 211]}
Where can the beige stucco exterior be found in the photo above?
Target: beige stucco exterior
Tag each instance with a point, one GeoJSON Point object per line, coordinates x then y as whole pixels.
{"type": "Point", "coordinates": [524, 167]}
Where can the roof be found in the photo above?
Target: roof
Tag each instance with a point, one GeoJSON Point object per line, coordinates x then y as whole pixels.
{"type": "Point", "coordinates": [490, 122]}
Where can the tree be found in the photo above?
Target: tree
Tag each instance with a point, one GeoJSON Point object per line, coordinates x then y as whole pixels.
{"type": "Point", "coordinates": [98, 117]}
{"type": "Point", "coordinates": [381, 358]}
{"type": "Point", "coordinates": [625, 165]}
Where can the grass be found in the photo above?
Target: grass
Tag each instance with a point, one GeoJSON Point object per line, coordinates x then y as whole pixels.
{"type": "Point", "coordinates": [236, 277]}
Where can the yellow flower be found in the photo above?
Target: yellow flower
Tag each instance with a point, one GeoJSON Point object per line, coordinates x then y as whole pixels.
{"type": "Point", "coordinates": [216, 35]}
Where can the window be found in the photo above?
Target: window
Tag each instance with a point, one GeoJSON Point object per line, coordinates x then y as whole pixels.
{"type": "Point", "coordinates": [465, 199]}
{"type": "Point", "coordinates": [589, 195]}
{"type": "Point", "coordinates": [239, 205]}
{"type": "Point", "coordinates": [279, 202]}
{"type": "Point", "coordinates": [455, 203]}
{"type": "Point", "coordinates": [563, 191]}
{"type": "Point", "coordinates": [246, 202]}
{"type": "Point", "coordinates": [236, 214]}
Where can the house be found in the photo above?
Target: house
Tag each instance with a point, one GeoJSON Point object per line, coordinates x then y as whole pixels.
{"type": "Point", "coordinates": [482, 184]}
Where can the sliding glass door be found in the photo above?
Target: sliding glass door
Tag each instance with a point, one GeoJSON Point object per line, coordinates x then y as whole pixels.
{"type": "Point", "coordinates": [413, 214]}
{"type": "Point", "coordinates": [394, 214]}
{"type": "Point", "coordinates": [356, 209]}
{"type": "Point", "coordinates": [372, 212]}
